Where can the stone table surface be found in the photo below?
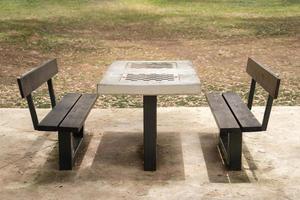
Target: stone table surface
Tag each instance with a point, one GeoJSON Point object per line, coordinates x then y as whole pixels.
{"type": "Point", "coordinates": [150, 78]}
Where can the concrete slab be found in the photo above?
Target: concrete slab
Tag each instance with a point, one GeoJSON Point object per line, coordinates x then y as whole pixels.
{"type": "Point", "coordinates": [150, 78]}
{"type": "Point", "coordinates": [189, 167]}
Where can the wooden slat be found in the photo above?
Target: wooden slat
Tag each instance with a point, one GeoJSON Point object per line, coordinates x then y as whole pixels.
{"type": "Point", "coordinates": [78, 114]}
{"type": "Point", "coordinates": [58, 113]}
{"type": "Point", "coordinates": [31, 80]}
{"type": "Point", "coordinates": [241, 112]}
{"type": "Point", "coordinates": [267, 79]}
{"type": "Point", "coordinates": [223, 116]}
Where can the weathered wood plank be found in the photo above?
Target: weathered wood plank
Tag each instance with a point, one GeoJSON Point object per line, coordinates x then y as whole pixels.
{"type": "Point", "coordinates": [267, 79]}
{"type": "Point", "coordinates": [74, 121]}
{"type": "Point", "coordinates": [58, 113]}
{"type": "Point", "coordinates": [241, 112]}
{"type": "Point", "coordinates": [223, 116]}
{"type": "Point", "coordinates": [31, 80]}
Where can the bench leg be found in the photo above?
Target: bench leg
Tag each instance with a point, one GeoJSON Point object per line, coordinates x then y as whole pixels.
{"type": "Point", "coordinates": [230, 145]}
{"type": "Point", "coordinates": [68, 144]}
{"type": "Point", "coordinates": [65, 147]}
{"type": "Point", "coordinates": [235, 150]}
{"type": "Point", "coordinates": [77, 140]}
{"type": "Point", "coordinates": [150, 133]}
{"type": "Point", "coordinates": [80, 133]}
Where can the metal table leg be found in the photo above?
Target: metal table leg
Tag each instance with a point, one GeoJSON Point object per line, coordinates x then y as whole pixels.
{"type": "Point", "coordinates": [150, 132]}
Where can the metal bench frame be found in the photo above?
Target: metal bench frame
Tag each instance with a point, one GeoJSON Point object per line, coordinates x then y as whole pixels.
{"type": "Point", "coordinates": [70, 133]}
{"type": "Point", "coordinates": [230, 137]}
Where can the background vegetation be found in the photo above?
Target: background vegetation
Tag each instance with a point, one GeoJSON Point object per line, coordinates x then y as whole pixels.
{"type": "Point", "coordinates": [87, 35]}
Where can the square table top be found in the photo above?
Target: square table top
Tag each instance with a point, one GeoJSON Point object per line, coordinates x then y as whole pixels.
{"type": "Point", "coordinates": [150, 78]}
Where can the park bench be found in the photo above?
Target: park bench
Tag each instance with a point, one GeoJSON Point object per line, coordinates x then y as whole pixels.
{"type": "Point", "coordinates": [234, 117]}
{"type": "Point", "coordinates": [67, 116]}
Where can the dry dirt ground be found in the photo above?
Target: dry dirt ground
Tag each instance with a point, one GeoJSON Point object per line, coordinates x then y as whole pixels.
{"type": "Point", "coordinates": [220, 64]}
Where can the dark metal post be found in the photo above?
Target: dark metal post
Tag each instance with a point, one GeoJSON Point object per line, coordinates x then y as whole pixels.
{"type": "Point", "coordinates": [32, 110]}
{"type": "Point", "coordinates": [267, 113]}
{"type": "Point", "coordinates": [223, 146]}
{"type": "Point", "coordinates": [235, 150]}
{"type": "Point", "coordinates": [65, 148]}
{"type": "Point", "coordinates": [80, 133]}
{"type": "Point", "coordinates": [251, 93]}
{"type": "Point", "coordinates": [51, 93]}
{"type": "Point", "coordinates": [150, 132]}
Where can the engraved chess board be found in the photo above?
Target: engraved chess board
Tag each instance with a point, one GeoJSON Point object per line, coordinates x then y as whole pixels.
{"type": "Point", "coordinates": [150, 78]}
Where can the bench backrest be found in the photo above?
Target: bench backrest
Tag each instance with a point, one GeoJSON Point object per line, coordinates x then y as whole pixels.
{"type": "Point", "coordinates": [262, 75]}
{"type": "Point", "coordinates": [268, 80]}
{"type": "Point", "coordinates": [32, 80]}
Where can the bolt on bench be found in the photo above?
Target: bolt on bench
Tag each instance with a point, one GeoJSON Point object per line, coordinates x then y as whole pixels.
{"type": "Point", "coordinates": [234, 117]}
{"type": "Point", "coordinates": [67, 117]}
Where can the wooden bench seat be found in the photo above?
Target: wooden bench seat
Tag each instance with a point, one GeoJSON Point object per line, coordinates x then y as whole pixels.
{"type": "Point", "coordinates": [221, 112]}
{"type": "Point", "coordinates": [247, 121]}
{"type": "Point", "coordinates": [78, 114]}
{"type": "Point", "coordinates": [234, 117]}
{"type": "Point", "coordinates": [67, 116]}
{"type": "Point", "coordinates": [53, 119]}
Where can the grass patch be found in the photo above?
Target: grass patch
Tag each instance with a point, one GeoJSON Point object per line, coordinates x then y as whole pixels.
{"type": "Point", "coordinates": [37, 23]}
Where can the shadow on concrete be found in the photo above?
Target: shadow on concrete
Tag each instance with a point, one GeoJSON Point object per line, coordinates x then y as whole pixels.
{"type": "Point", "coordinates": [216, 170]}
{"type": "Point", "coordinates": [24, 161]}
{"type": "Point", "coordinates": [250, 161]}
{"type": "Point", "coordinates": [49, 172]}
{"type": "Point", "coordinates": [120, 157]}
